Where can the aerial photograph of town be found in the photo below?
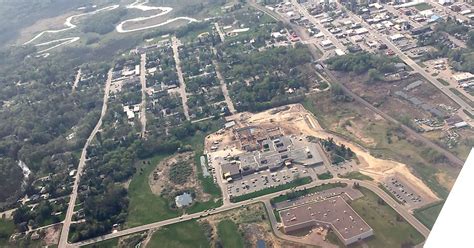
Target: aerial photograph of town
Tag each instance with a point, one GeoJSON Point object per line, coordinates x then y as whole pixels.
{"type": "Point", "coordinates": [232, 123]}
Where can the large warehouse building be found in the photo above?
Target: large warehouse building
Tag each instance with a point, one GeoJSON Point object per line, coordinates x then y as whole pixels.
{"type": "Point", "coordinates": [332, 213]}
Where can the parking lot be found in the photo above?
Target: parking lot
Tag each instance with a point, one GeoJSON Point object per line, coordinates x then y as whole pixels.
{"type": "Point", "coordinates": [266, 179]}
{"type": "Point", "coordinates": [403, 192]}
{"type": "Point", "coordinates": [344, 168]}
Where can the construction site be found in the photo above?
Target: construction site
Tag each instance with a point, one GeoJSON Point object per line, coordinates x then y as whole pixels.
{"type": "Point", "coordinates": [267, 149]}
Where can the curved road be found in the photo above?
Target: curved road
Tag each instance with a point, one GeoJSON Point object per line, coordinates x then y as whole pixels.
{"type": "Point", "coordinates": [82, 162]}
{"type": "Point", "coordinates": [369, 185]}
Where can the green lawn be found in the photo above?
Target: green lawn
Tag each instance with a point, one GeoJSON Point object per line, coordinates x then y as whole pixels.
{"type": "Point", "coordinates": [428, 215]}
{"type": "Point", "coordinates": [292, 184]}
{"type": "Point", "coordinates": [201, 206]}
{"type": "Point", "coordinates": [444, 82]}
{"type": "Point", "coordinates": [229, 234]}
{"type": "Point", "coordinates": [325, 176]}
{"type": "Point", "coordinates": [388, 231]}
{"type": "Point", "coordinates": [357, 175]}
{"type": "Point", "coordinates": [145, 207]}
{"type": "Point", "coordinates": [423, 6]}
{"type": "Point", "coordinates": [111, 243]}
{"type": "Point", "coordinates": [7, 227]}
{"type": "Point", "coordinates": [299, 193]}
{"type": "Point", "coordinates": [181, 235]}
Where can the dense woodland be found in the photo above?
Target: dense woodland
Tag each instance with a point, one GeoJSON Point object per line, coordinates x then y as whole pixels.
{"type": "Point", "coordinates": [256, 84]}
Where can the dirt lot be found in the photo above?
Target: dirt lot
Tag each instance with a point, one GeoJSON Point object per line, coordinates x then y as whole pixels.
{"type": "Point", "coordinates": [159, 179]}
{"type": "Point", "coordinates": [382, 95]}
{"type": "Point", "coordinates": [51, 236]}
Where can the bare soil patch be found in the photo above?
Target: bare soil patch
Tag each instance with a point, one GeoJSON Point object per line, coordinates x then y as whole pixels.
{"type": "Point", "coordinates": [160, 183]}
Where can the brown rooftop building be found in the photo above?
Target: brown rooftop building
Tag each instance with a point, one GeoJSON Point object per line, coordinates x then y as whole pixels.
{"type": "Point", "coordinates": [332, 213]}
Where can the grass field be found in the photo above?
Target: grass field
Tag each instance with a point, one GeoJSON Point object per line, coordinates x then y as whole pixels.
{"type": "Point", "coordinates": [182, 235]}
{"type": "Point", "coordinates": [292, 184]}
{"type": "Point", "coordinates": [325, 176]}
{"type": "Point", "coordinates": [388, 231]}
{"type": "Point", "coordinates": [145, 207]}
{"type": "Point", "coordinates": [357, 175]}
{"type": "Point", "coordinates": [423, 6]}
{"type": "Point", "coordinates": [428, 215]}
{"type": "Point", "coordinates": [229, 234]}
{"type": "Point", "coordinates": [7, 227]}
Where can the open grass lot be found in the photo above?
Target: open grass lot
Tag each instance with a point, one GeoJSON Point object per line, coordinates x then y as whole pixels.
{"type": "Point", "coordinates": [6, 229]}
{"type": "Point", "coordinates": [357, 175]}
{"type": "Point", "coordinates": [145, 207]}
{"type": "Point", "coordinates": [388, 231]}
{"type": "Point", "coordinates": [428, 215]}
{"type": "Point", "coordinates": [111, 243]}
{"type": "Point", "coordinates": [423, 6]}
{"type": "Point", "coordinates": [182, 235]}
{"type": "Point", "coordinates": [228, 233]}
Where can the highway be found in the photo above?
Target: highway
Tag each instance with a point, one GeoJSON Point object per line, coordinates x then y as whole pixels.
{"type": "Point", "coordinates": [369, 185]}
{"type": "Point", "coordinates": [63, 240]}
{"type": "Point", "coordinates": [143, 103]}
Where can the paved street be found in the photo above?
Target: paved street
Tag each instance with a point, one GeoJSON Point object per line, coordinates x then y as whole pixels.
{"type": "Point", "coordinates": [369, 185]}
{"type": "Point", "coordinates": [313, 20]}
{"type": "Point", "coordinates": [76, 80]}
{"type": "Point", "coordinates": [219, 31]}
{"type": "Point", "coordinates": [224, 89]}
{"type": "Point", "coordinates": [80, 168]}
{"type": "Point", "coordinates": [182, 85]}
{"type": "Point", "coordinates": [143, 103]}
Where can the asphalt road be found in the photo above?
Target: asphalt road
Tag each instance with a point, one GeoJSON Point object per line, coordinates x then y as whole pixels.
{"type": "Point", "coordinates": [182, 85]}
{"type": "Point", "coordinates": [224, 89]}
{"type": "Point", "coordinates": [76, 80]}
{"type": "Point", "coordinates": [143, 104]}
{"type": "Point", "coordinates": [369, 185]}
{"type": "Point", "coordinates": [63, 240]}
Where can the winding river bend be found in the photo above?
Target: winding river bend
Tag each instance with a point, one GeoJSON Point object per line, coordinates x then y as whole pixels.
{"type": "Point", "coordinates": [143, 7]}
{"type": "Point", "coordinates": [138, 4]}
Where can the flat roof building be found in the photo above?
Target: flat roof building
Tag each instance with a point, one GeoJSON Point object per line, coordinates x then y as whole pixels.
{"type": "Point", "coordinates": [332, 213]}
{"type": "Point", "coordinates": [463, 77]}
{"type": "Point", "coordinates": [231, 170]}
